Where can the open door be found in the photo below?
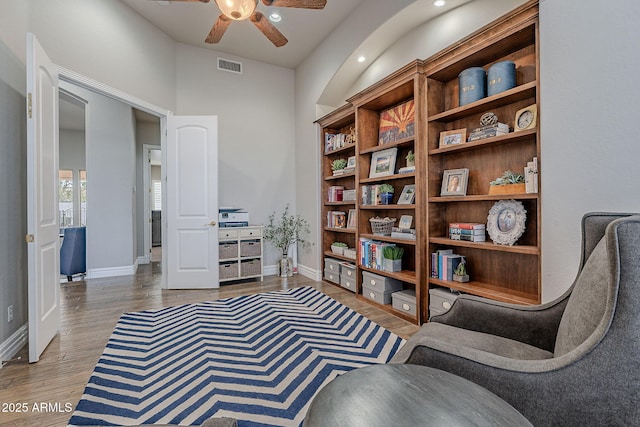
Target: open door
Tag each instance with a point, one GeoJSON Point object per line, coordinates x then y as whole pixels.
{"type": "Point", "coordinates": [43, 230]}
{"type": "Point", "coordinates": [192, 202]}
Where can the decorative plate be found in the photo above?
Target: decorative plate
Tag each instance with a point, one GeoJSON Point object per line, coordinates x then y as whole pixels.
{"type": "Point", "coordinates": [506, 222]}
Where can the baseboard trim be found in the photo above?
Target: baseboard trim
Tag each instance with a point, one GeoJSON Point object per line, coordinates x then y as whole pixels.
{"type": "Point", "coordinates": [144, 260]}
{"type": "Point", "coordinates": [14, 343]}
{"type": "Point", "coordinates": [309, 272]}
{"type": "Point", "coordinates": [99, 273]}
{"type": "Point", "coordinates": [270, 270]}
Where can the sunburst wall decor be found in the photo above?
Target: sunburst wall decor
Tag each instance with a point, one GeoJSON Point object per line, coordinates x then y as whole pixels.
{"type": "Point", "coordinates": [397, 122]}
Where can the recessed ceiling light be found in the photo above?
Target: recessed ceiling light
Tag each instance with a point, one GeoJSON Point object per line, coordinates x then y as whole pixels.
{"type": "Point", "coordinates": [275, 17]}
{"type": "Point", "coordinates": [439, 3]}
{"type": "Point", "coordinates": [361, 58]}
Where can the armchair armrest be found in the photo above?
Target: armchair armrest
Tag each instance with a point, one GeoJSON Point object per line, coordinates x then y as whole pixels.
{"type": "Point", "coordinates": [533, 325]}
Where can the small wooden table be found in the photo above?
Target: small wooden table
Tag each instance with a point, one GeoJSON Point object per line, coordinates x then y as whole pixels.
{"type": "Point", "coordinates": [408, 395]}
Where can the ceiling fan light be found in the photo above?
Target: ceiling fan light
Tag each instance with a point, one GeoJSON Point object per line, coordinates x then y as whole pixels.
{"type": "Point", "coordinates": [237, 9]}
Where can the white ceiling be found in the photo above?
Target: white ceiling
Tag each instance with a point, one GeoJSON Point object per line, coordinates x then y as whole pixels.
{"type": "Point", "coordinates": [190, 22]}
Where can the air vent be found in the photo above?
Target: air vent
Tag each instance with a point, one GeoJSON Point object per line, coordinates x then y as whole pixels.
{"type": "Point", "coordinates": [230, 66]}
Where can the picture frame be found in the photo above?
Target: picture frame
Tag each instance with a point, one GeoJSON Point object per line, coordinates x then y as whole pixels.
{"type": "Point", "coordinates": [351, 162]}
{"type": "Point", "coordinates": [351, 220]}
{"type": "Point", "coordinates": [397, 122]}
{"type": "Point", "coordinates": [454, 182]}
{"type": "Point", "coordinates": [453, 137]}
{"type": "Point", "coordinates": [506, 222]}
{"type": "Point", "coordinates": [383, 163]}
{"type": "Point", "coordinates": [405, 222]}
{"type": "Point", "coordinates": [408, 195]}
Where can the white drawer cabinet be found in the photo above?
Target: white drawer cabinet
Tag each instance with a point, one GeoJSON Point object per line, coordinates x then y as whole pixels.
{"type": "Point", "coordinates": [240, 253]}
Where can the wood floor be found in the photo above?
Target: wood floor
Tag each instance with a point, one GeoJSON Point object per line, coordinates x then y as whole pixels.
{"type": "Point", "coordinates": [90, 310]}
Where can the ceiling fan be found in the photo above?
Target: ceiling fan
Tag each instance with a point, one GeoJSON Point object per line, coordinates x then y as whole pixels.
{"type": "Point", "coordinates": [239, 10]}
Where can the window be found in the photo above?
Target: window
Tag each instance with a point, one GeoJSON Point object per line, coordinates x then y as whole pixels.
{"type": "Point", "coordinates": [65, 198]}
{"type": "Point", "coordinates": [156, 196]}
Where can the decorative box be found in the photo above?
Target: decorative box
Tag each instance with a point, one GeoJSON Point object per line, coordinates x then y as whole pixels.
{"type": "Point", "coordinates": [376, 295]}
{"type": "Point", "coordinates": [440, 301]}
{"type": "Point", "coordinates": [501, 76]}
{"type": "Point", "coordinates": [404, 301]}
{"type": "Point", "coordinates": [380, 283]}
{"type": "Point", "coordinates": [472, 85]}
{"type": "Point", "coordinates": [348, 195]}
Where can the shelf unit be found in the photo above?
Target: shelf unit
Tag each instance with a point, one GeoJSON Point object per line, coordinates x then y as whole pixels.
{"type": "Point", "coordinates": [240, 253]}
{"type": "Point", "coordinates": [504, 273]}
{"type": "Point", "coordinates": [404, 85]}
{"type": "Point", "coordinates": [339, 121]}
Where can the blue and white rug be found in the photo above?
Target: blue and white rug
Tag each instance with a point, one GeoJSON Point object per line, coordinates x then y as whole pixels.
{"type": "Point", "coordinates": [258, 358]}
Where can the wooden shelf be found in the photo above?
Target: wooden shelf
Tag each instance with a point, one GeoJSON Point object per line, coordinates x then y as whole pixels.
{"type": "Point", "coordinates": [510, 138]}
{"type": "Point", "coordinates": [342, 257]}
{"type": "Point", "coordinates": [388, 239]}
{"type": "Point", "coordinates": [487, 290]}
{"type": "Point", "coordinates": [387, 207]}
{"type": "Point", "coordinates": [404, 275]}
{"type": "Point", "coordinates": [388, 177]}
{"type": "Point", "coordinates": [342, 203]}
{"type": "Point", "coordinates": [486, 246]}
{"type": "Point", "coordinates": [344, 175]}
{"type": "Point", "coordinates": [404, 142]}
{"type": "Point", "coordinates": [347, 147]}
{"type": "Point", "coordinates": [519, 93]}
{"type": "Point", "coordinates": [389, 308]}
{"type": "Point", "coordinates": [341, 230]}
{"type": "Point", "coordinates": [483, 197]}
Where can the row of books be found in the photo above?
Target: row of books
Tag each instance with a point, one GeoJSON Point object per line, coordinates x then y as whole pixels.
{"type": "Point", "coordinates": [336, 219]}
{"type": "Point", "coordinates": [443, 263]}
{"type": "Point", "coordinates": [335, 193]}
{"type": "Point", "coordinates": [488, 131]}
{"type": "Point", "coordinates": [371, 253]}
{"type": "Point", "coordinates": [333, 141]}
{"type": "Point", "coordinates": [370, 195]}
{"type": "Point", "coordinates": [531, 176]}
{"type": "Point", "coordinates": [468, 231]}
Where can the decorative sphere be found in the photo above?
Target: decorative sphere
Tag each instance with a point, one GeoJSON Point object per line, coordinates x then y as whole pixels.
{"type": "Point", "coordinates": [488, 119]}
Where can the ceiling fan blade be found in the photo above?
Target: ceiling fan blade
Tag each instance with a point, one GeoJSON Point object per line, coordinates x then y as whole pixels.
{"type": "Point", "coordinates": [193, 1]}
{"type": "Point", "coordinates": [267, 28]}
{"type": "Point", "coordinates": [302, 4]}
{"type": "Point", "coordinates": [218, 29]}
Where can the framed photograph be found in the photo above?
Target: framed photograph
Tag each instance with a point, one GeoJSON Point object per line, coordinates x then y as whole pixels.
{"type": "Point", "coordinates": [397, 122]}
{"type": "Point", "coordinates": [383, 163]}
{"type": "Point", "coordinates": [506, 222]}
{"type": "Point", "coordinates": [454, 182]}
{"type": "Point", "coordinates": [351, 220]}
{"type": "Point", "coordinates": [408, 195]}
{"type": "Point", "coordinates": [405, 221]}
{"type": "Point", "coordinates": [453, 137]}
{"type": "Point", "coordinates": [351, 162]}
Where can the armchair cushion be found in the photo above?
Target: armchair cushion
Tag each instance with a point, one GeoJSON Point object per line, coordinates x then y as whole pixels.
{"type": "Point", "coordinates": [587, 303]}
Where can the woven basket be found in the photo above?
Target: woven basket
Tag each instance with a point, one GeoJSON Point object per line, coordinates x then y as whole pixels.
{"type": "Point", "coordinates": [250, 268]}
{"type": "Point", "coordinates": [250, 248]}
{"type": "Point", "coordinates": [382, 226]}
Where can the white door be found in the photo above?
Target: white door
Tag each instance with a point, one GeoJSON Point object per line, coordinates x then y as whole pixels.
{"type": "Point", "coordinates": [192, 202]}
{"type": "Point", "coordinates": [42, 199]}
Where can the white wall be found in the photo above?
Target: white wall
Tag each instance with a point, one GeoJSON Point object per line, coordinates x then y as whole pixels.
{"type": "Point", "coordinates": [108, 42]}
{"type": "Point", "coordinates": [256, 113]}
{"type": "Point", "coordinates": [111, 184]}
{"type": "Point", "coordinates": [589, 120]}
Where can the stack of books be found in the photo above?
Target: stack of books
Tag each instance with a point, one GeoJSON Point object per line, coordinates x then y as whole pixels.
{"type": "Point", "coordinates": [469, 231]}
{"type": "Point", "coordinates": [407, 169]}
{"type": "Point", "coordinates": [531, 176]}
{"type": "Point", "coordinates": [403, 233]}
{"type": "Point", "coordinates": [371, 253]}
{"type": "Point", "coordinates": [443, 263]}
{"type": "Point", "coordinates": [335, 193]}
{"type": "Point", "coordinates": [488, 131]}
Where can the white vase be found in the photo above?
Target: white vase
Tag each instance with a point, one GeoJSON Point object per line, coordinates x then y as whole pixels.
{"type": "Point", "coordinates": [286, 267]}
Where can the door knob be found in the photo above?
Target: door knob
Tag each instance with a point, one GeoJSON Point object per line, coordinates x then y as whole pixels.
{"type": "Point", "coordinates": [212, 224]}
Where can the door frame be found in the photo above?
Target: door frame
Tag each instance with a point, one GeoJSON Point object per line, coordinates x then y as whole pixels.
{"type": "Point", "coordinates": [146, 187]}
{"type": "Point", "coordinates": [77, 79]}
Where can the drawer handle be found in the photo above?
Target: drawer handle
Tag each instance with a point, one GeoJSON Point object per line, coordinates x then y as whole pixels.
{"type": "Point", "coordinates": [373, 282]}
{"type": "Point", "coordinates": [347, 284]}
{"type": "Point", "coordinates": [331, 267]}
{"type": "Point", "coordinates": [349, 273]}
{"type": "Point", "coordinates": [372, 295]}
{"type": "Point", "coordinates": [405, 307]}
{"type": "Point", "coordinates": [446, 305]}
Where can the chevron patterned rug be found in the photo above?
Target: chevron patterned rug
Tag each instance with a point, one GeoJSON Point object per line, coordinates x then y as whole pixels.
{"type": "Point", "coordinates": [259, 358]}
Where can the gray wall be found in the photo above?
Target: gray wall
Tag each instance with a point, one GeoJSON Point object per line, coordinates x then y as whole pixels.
{"type": "Point", "coordinates": [13, 204]}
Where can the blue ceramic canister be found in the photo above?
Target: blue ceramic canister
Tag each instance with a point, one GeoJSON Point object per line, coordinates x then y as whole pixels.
{"type": "Point", "coordinates": [472, 85]}
{"type": "Point", "coordinates": [501, 76]}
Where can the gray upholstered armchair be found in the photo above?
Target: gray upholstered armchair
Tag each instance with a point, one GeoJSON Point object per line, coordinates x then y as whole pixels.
{"type": "Point", "coordinates": [573, 361]}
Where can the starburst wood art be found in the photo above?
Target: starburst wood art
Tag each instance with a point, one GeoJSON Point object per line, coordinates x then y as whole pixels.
{"type": "Point", "coordinates": [397, 122]}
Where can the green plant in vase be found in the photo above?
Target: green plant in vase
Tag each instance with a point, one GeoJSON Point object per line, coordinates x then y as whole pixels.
{"type": "Point", "coordinates": [392, 258]}
{"type": "Point", "coordinates": [338, 165]}
{"type": "Point", "coordinates": [386, 193]}
{"type": "Point", "coordinates": [411, 159]}
{"type": "Point", "coordinates": [284, 233]}
{"type": "Point", "coordinates": [338, 247]}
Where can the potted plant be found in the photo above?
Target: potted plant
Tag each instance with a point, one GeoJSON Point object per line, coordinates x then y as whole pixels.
{"type": "Point", "coordinates": [284, 233]}
{"type": "Point", "coordinates": [392, 258]}
{"type": "Point", "coordinates": [338, 248]}
{"type": "Point", "coordinates": [460, 273]}
{"type": "Point", "coordinates": [338, 165]}
{"type": "Point", "coordinates": [386, 193]}
{"type": "Point", "coordinates": [411, 159]}
{"type": "Point", "coordinates": [509, 183]}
